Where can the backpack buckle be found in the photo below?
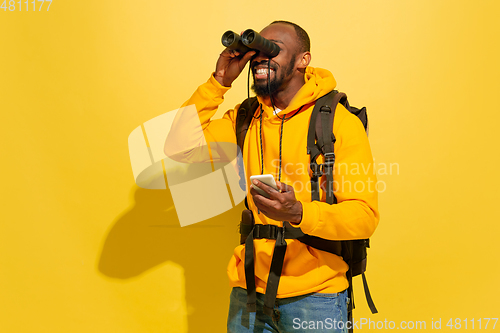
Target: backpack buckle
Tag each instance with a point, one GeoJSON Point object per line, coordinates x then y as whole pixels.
{"type": "Point", "coordinates": [328, 164]}
{"type": "Point", "coordinates": [267, 231]}
{"type": "Point", "coordinates": [325, 109]}
{"type": "Point", "coordinates": [329, 159]}
{"type": "Point", "coordinates": [316, 169]}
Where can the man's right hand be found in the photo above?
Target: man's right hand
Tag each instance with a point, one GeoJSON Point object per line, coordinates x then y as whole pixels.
{"type": "Point", "coordinates": [230, 65]}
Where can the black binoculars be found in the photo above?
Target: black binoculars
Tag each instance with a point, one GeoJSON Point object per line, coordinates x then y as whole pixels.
{"type": "Point", "coordinates": [249, 40]}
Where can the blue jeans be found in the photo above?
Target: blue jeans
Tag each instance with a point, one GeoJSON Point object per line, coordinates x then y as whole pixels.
{"type": "Point", "coordinates": [314, 312]}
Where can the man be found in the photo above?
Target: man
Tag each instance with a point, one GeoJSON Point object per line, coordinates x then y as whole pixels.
{"type": "Point", "coordinates": [312, 290]}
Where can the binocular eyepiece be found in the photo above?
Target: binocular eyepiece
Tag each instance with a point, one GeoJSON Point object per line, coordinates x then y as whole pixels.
{"type": "Point", "coordinates": [249, 40]}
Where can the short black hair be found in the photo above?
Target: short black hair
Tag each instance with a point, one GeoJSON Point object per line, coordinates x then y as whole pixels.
{"type": "Point", "coordinates": [304, 41]}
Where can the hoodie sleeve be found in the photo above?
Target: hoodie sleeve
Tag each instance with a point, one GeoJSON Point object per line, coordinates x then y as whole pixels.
{"type": "Point", "coordinates": [193, 131]}
{"type": "Point", "coordinates": [355, 216]}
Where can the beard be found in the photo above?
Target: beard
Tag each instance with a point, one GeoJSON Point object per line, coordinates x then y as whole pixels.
{"type": "Point", "coordinates": [261, 88]}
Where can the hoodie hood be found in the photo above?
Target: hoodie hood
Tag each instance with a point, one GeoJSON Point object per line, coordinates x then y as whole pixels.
{"type": "Point", "coordinates": [318, 82]}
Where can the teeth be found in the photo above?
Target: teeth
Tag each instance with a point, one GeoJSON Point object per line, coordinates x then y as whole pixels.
{"type": "Point", "coordinates": [263, 71]}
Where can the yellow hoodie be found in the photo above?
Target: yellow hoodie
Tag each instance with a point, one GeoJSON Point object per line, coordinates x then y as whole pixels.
{"type": "Point", "coordinates": [355, 216]}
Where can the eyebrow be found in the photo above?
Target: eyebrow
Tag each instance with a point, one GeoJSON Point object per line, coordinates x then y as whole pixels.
{"type": "Point", "coordinates": [277, 41]}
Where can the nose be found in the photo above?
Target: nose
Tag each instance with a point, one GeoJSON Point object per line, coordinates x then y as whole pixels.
{"type": "Point", "coordinates": [260, 56]}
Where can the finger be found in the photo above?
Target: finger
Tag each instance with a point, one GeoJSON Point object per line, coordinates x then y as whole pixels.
{"type": "Point", "coordinates": [278, 184]}
{"type": "Point", "coordinates": [260, 200]}
{"type": "Point", "coordinates": [266, 188]}
{"type": "Point", "coordinates": [254, 192]}
{"type": "Point", "coordinates": [227, 51]}
{"type": "Point", "coordinates": [286, 188]}
{"type": "Point", "coordinates": [262, 209]}
{"type": "Point", "coordinates": [247, 56]}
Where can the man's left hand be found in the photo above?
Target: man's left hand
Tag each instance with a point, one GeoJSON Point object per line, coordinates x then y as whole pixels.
{"type": "Point", "coordinates": [281, 205]}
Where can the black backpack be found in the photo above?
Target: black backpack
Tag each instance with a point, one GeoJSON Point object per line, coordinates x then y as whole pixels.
{"type": "Point", "coordinates": [320, 140]}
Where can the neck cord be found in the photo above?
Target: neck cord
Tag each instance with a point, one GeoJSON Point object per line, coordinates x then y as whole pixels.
{"type": "Point", "coordinates": [248, 80]}
{"type": "Point", "coordinates": [261, 148]}
{"type": "Point", "coordinates": [281, 141]}
{"type": "Point", "coordinates": [281, 135]}
{"type": "Point", "coordinates": [261, 117]}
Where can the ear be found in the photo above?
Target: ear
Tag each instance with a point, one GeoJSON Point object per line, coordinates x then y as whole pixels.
{"type": "Point", "coordinates": [304, 60]}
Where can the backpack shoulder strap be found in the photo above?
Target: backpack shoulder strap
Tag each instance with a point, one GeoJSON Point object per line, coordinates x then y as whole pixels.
{"type": "Point", "coordinates": [321, 140]}
{"type": "Point", "coordinates": [243, 120]}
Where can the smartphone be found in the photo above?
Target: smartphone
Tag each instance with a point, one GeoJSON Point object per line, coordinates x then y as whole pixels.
{"type": "Point", "coordinates": [267, 179]}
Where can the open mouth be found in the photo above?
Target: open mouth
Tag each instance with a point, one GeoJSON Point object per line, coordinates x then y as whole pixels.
{"type": "Point", "coordinates": [262, 72]}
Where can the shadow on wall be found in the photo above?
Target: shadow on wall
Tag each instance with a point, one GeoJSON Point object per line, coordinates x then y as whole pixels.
{"type": "Point", "coordinates": [148, 234]}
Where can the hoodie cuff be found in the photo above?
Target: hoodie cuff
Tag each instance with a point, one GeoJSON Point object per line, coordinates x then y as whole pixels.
{"type": "Point", "coordinates": [217, 87]}
{"type": "Point", "coordinates": [310, 217]}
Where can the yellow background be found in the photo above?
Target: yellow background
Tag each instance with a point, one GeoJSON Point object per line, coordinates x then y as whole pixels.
{"type": "Point", "coordinates": [83, 249]}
